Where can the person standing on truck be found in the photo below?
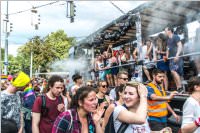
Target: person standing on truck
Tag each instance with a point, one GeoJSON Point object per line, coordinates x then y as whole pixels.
{"type": "Point", "coordinates": [158, 102]}
{"type": "Point", "coordinates": [99, 67]}
{"type": "Point", "coordinates": [161, 51]}
{"type": "Point", "coordinates": [145, 54]}
{"type": "Point", "coordinates": [191, 108]}
{"type": "Point", "coordinates": [175, 50]}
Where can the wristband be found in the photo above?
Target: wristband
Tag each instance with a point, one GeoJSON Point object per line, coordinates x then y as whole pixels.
{"type": "Point", "coordinates": [197, 122]}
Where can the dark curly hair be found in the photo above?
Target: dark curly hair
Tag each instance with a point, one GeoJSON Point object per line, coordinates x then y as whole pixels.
{"type": "Point", "coordinates": [192, 82]}
{"type": "Point", "coordinates": [80, 95]}
{"type": "Point", "coordinates": [53, 79]}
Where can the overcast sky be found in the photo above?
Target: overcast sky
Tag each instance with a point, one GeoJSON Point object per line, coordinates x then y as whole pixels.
{"type": "Point", "coordinates": [90, 16]}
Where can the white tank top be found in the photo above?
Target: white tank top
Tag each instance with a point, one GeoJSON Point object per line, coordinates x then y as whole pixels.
{"type": "Point", "coordinates": [100, 65]}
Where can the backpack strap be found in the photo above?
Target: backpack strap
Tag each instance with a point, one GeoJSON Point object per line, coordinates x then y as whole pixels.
{"type": "Point", "coordinates": [123, 126]}
{"type": "Point", "coordinates": [60, 99]}
{"type": "Point", "coordinates": [71, 117]}
{"type": "Point", "coordinates": [43, 101]}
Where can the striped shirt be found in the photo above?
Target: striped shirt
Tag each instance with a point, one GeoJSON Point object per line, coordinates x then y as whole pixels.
{"type": "Point", "coordinates": [68, 122]}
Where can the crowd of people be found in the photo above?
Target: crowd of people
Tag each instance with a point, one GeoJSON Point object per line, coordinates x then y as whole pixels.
{"type": "Point", "coordinates": [129, 107]}
{"type": "Point", "coordinates": [162, 52]}
{"type": "Point", "coordinates": [47, 106]}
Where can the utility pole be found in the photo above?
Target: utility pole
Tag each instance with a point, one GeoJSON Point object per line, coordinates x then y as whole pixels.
{"type": "Point", "coordinates": [31, 66]}
{"type": "Point", "coordinates": [6, 43]}
{"type": "Point", "coordinates": [35, 22]}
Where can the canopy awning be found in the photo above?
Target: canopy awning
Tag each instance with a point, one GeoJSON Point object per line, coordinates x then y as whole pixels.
{"type": "Point", "coordinates": [155, 16]}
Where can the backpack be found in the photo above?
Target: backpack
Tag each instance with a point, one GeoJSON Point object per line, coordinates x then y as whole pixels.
{"type": "Point", "coordinates": [8, 126]}
{"type": "Point", "coordinates": [110, 125]}
{"type": "Point", "coordinates": [27, 101]}
{"type": "Point", "coordinates": [44, 109]}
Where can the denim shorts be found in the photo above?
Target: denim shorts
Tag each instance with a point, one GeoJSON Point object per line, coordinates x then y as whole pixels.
{"type": "Point", "coordinates": [176, 66]}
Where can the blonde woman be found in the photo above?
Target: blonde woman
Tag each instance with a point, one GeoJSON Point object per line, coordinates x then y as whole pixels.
{"type": "Point", "coordinates": [134, 113]}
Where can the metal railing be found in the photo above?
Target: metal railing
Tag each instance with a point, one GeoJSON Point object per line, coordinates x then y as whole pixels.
{"type": "Point", "coordinates": [141, 62]}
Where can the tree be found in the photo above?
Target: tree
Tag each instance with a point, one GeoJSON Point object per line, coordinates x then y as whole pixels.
{"type": "Point", "coordinates": [13, 65]}
{"type": "Point", "coordinates": [2, 53]}
{"type": "Point", "coordinates": [54, 46]}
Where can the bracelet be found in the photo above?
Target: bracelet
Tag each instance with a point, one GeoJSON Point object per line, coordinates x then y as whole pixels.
{"type": "Point", "coordinates": [197, 122]}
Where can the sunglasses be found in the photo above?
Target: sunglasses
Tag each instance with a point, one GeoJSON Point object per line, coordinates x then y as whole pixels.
{"type": "Point", "coordinates": [90, 85]}
{"type": "Point", "coordinates": [124, 78]}
{"type": "Point", "coordinates": [104, 86]}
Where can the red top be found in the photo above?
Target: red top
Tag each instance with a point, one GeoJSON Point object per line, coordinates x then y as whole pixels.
{"type": "Point", "coordinates": [46, 121]}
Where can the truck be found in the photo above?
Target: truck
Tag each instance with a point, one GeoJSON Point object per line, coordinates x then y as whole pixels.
{"type": "Point", "coordinates": [148, 20]}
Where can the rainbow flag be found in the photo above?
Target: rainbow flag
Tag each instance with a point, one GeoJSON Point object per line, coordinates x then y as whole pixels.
{"type": "Point", "coordinates": [28, 91]}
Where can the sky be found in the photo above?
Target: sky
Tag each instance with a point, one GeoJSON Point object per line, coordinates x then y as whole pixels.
{"type": "Point", "coordinates": [90, 16]}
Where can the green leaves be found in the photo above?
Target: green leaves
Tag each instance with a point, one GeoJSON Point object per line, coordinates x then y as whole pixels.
{"type": "Point", "coordinates": [46, 50]}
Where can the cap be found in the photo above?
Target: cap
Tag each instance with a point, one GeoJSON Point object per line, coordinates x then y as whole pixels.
{"type": "Point", "coordinates": [20, 80]}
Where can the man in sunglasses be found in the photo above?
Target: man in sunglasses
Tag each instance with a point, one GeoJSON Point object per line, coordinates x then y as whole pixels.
{"type": "Point", "coordinates": [122, 78]}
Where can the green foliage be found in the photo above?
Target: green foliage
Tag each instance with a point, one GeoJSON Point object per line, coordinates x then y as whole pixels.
{"type": "Point", "coordinates": [2, 53]}
{"type": "Point", "coordinates": [13, 66]}
{"type": "Point", "coordinates": [45, 50]}
{"type": "Point", "coordinates": [52, 47]}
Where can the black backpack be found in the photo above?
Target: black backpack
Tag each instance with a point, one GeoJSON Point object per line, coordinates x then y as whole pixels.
{"type": "Point", "coordinates": [110, 126]}
{"type": "Point", "coordinates": [8, 126]}
{"type": "Point", "coordinates": [44, 109]}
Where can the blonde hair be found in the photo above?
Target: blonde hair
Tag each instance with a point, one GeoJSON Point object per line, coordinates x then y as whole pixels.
{"type": "Point", "coordinates": [134, 84]}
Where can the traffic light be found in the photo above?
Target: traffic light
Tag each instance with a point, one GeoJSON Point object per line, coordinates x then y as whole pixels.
{"type": "Point", "coordinates": [35, 18]}
{"type": "Point", "coordinates": [72, 11]}
{"type": "Point", "coordinates": [11, 27]}
{"type": "Point", "coordinates": [39, 19]}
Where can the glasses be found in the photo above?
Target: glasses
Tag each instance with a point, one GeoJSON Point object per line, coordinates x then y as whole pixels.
{"type": "Point", "coordinates": [90, 85]}
{"type": "Point", "coordinates": [123, 78]}
{"type": "Point", "coordinates": [104, 86]}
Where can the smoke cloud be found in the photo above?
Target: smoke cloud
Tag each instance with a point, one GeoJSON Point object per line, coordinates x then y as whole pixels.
{"type": "Point", "coordinates": [191, 46]}
{"type": "Point", "coordinates": [72, 66]}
